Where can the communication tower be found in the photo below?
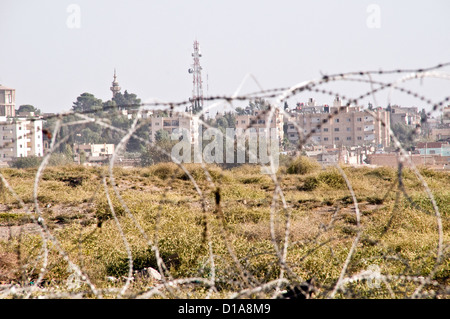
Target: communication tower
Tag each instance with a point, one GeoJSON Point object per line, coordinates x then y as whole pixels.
{"type": "Point", "coordinates": [196, 71]}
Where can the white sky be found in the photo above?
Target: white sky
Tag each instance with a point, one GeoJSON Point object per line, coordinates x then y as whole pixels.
{"type": "Point", "coordinates": [280, 42]}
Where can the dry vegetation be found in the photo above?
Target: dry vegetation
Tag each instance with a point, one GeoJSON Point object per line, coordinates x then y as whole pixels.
{"type": "Point", "coordinates": [236, 214]}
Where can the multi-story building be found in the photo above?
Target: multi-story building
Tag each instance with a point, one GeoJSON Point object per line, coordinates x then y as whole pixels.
{"type": "Point", "coordinates": [446, 115]}
{"type": "Point", "coordinates": [260, 119]}
{"type": "Point", "coordinates": [404, 115]}
{"type": "Point", "coordinates": [158, 121]}
{"type": "Point", "coordinates": [7, 101]}
{"type": "Point", "coordinates": [339, 125]}
{"type": "Point", "coordinates": [20, 137]}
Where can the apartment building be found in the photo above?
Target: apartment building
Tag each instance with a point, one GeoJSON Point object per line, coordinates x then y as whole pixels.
{"type": "Point", "coordinates": [261, 120]}
{"type": "Point", "coordinates": [173, 121]}
{"type": "Point", "coordinates": [20, 137]}
{"type": "Point", "coordinates": [7, 101]}
{"type": "Point", "coordinates": [446, 115]}
{"type": "Point", "coordinates": [338, 125]}
{"type": "Point", "coordinates": [404, 115]}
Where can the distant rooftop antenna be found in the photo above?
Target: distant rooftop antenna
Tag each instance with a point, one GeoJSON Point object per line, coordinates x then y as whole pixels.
{"type": "Point", "coordinates": [196, 71]}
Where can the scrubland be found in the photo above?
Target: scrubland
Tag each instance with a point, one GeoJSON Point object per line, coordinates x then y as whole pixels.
{"type": "Point", "coordinates": [225, 232]}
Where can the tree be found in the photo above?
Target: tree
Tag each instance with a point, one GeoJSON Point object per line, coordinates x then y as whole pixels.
{"type": "Point", "coordinates": [160, 152]}
{"type": "Point", "coordinates": [259, 104]}
{"type": "Point", "coordinates": [222, 123]}
{"type": "Point", "coordinates": [28, 108]}
{"type": "Point", "coordinates": [83, 157]}
{"type": "Point", "coordinates": [405, 134]}
{"type": "Point", "coordinates": [126, 100]}
{"type": "Point", "coordinates": [87, 102]}
{"type": "Point", "coordinates": [26, 162]}
{"type": "Point", "coordinates": [240, 111]}
{"type": "Point", "coordinates": [137, 145]}
{"type": "Point", "coordinates": [231, 119]}
{"type": "Point", "coordinates": [162, 136]}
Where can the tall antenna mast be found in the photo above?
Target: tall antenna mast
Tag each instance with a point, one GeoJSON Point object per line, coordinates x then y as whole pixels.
{"type": "Point", "coordinates": [196, 71]}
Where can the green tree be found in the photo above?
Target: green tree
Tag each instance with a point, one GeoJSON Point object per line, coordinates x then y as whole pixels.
{"type": "Point", "coordinates": [126, 100]}
{"type": "Point", "coordinates": [259, 104]}
{"type": "Point", "coordinates": [160, 152]}
{"type": "Point", "coordinates": [87, 102]}
{"type": "Point", "coordinates": [405, 134]}
{"type": "Point", "coordinates": [240, 111]}
{"type": "Point", "coordinates": [29, 108]}
{"type": "Point", "coordinates": [26, 162]}
{"type": "Point", "coordinates": [83, 157]}
{"type": "Point", "coordinates": [162, 136]}
{"type": "Point", "coordinates": [68, 152]}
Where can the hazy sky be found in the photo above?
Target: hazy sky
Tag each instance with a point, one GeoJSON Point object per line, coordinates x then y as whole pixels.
{"type": "Point", "coordinates": [281, 43]}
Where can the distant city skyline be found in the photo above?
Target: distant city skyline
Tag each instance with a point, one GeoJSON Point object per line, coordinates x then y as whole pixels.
{"type": "Point", "coordinates": [53, 51]}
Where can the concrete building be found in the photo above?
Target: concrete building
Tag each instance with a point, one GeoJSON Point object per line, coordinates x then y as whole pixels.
{"type": "Point", "coordinates": [446, 115]}
{"type": "Point", "coordinates": [7, 101]}
{"type": "Point", "coordinates": [404, 115]}
{"type": "Point", "coordinates": [94, 153]}
{"type": "Point", "coordinates": [437, 134]}
{"type": "Point", "coordinates": [433, 148]}
{"type": "Point", "coordinates": [96, 150]}
{"type": "Point", "coordinates": [20, 137]}
{"type": "Point", "coordinates": [158, 121]}
{"type": "Point", "coordinates": [260, 120]}
{"type": "Point", "coordinates": [350, 126]}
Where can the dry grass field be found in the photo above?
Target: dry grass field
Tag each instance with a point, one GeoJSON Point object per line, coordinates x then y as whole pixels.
{"type": "Point", "coordinates": [227, 233]}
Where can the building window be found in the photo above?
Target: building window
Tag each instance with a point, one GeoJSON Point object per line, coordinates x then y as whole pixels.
{"type": "Point", "coordinates": [325, 129]}
{"type": "Point", "coordinates": [349, 129]}
{"type": "Point", "coordinates": [359, 128]}
{"type": "Point", "coordinates": [336, 129]}
{"type": "Point", "coordinates": [336, 120]}
{"type": "Point", "coordinates": [325, 138]}
{"type": "Point", "coordinates": [336, 138]}
{"type": "Point", "coordinates": [359, 138]}
{"type": "Point", "coordinates": [243, 122]}
{"type": "Point", "coordinates": [359, 119]}
{"type": "Point", "coordinates": [349, 138]}
{"type": "Point", "coordinates": [349, 120]}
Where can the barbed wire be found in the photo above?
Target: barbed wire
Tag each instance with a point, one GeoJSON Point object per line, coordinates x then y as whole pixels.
{"type": "Point", "coordinates": [237, 276]}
